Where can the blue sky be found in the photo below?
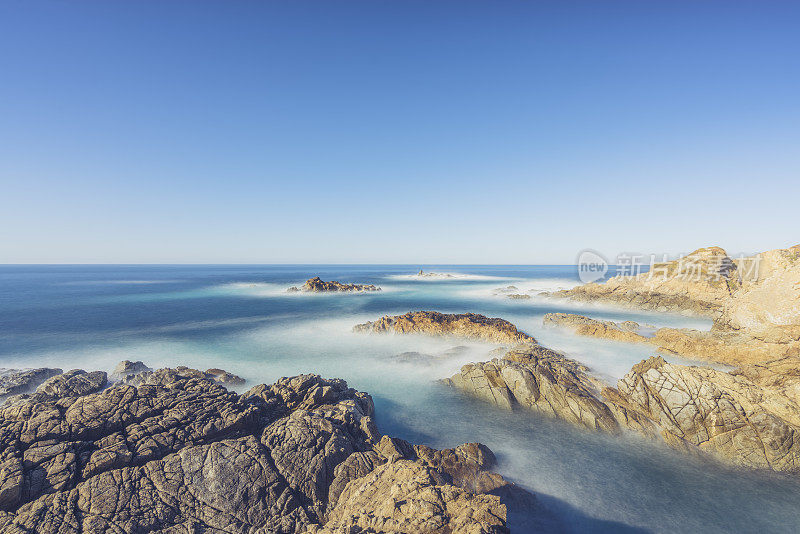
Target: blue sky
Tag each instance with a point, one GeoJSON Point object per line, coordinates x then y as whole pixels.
{"type": "Point", "coordinates": [404, 132]}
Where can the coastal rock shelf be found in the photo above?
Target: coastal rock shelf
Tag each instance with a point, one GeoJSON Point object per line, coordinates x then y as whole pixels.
{"type": "Point", "coordinates": [173, 450]}
{"type": "Point", "coordinates": [739, 347]}
{"type": "Point", "coordinates": [470, 326]}
{"type": "Point", "coordinates": [759, 293]}
{"type": "Point", "coordinates": [317, 285]}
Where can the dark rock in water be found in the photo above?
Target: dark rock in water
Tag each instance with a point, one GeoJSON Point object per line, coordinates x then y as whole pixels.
{"type": "Point", "coordinates": [19, 381]}
{"type": "Point", "coordinates": [127, 368]}
{"type": "Point", "coordinates": [177, 452]}
{"type": "Point", "coordinates": [317, 285]}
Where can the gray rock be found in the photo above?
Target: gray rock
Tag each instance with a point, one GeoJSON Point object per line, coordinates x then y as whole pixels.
{"type": "Point", "coordinates": [174, 451]}
{"type": "Point", "coordinates": [21, 381]}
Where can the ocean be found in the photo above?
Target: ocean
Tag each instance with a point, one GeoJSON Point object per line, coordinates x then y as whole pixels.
{"type": "Point", "coordinates": [241, 318]}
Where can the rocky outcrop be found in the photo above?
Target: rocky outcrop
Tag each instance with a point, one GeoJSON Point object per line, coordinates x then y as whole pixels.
{"type": "Point", "coordinates": [697, 409]}
{"type": "Point", "coordinates": [19, 381]}
{"type": "Point", "coordinates": [626, 331]}
{"type": "Point", "coordinates": [539, 379]}
{"type": "Point", "coordinates": [317, 285]}
{"type": "Point", "coordinates": [470, 326]}
{"type": "Point", "coordinates": [174, 451]}
{"type": "Point", "coordinates": [756, 294]}
{"type": "Point", "coordinates": [699, 283]}
{"type": "Point", "coordinates": [729, 347]}
{"type": "Point", "coordinates": [718, 412]}
{"type": "Point", "coordinates": [768, 294]}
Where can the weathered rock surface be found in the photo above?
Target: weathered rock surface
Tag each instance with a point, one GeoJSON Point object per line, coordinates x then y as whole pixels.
{"type": "Point", "coordinates": [541, 380]}
{"type": "Point", "coordinates": [19, 381]}
{"type": "Point", "coordinates": [317, 285]}
{"type": "Point", "coordinates": [174, 451]}
{"type": "Point", "coordinates": [728, 347]}
{"type": "Point", "coordinates": [757, 294]}
{"type": "Point", "coordinates": [729, 415]}
{"type": "Point", "coordinates": [699, 283]}
{"type": "Point", "coordinates": [459, 325]}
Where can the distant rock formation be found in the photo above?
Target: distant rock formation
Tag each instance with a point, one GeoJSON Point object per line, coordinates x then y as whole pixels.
{"type": "Point", "coordinates": [176, 452]}
{"type": "Point", "coordinates": [317, 285]}
{"type": "Point", "coordinates": [470, 326]}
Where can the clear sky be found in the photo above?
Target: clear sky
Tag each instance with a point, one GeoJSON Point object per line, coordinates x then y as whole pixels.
{"type": "Point", "coordinates": [395, 131]}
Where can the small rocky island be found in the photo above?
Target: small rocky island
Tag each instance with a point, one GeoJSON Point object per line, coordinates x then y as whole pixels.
{"type": "Point", "coordinates": [173, 450]}
{"type": "Point", "coordinates": [317, 285]}
{"type": "Point", "coordinates": [471, 326]}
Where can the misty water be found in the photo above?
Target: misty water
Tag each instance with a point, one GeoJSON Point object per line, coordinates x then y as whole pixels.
{"type": "Point", "coordinates": [241, 318]}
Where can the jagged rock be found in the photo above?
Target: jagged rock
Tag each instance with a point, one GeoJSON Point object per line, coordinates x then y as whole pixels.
{"type": "Point", "coordinates": [541, 380]}
{"type": "Point", "coordinates": [461, 325]}
{"type": "Point", "coordinates": [174, 451]}
{"type": "Point", "coordinates": [518, 296]}
{"type": "Point", "coordinates": [718, 412]}
{"type": "Point", "coordinates": [756, 294]}
{"type": "Point", "coordinates": [694, 409]}
{"type": "Point", "coordinates": [317, 285]}
{"type": "Point", "coordinates": [20, 381]}
{"type": "Point", "coordinates": [126, 368]}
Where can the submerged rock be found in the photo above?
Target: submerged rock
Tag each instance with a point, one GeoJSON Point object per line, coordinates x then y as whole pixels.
{"type": "Point", "coordinates": [461, 325]}
{"type": "Point", "coordinates": [175, 451]}
{"type": "Point", "coordinates": [317, 285]}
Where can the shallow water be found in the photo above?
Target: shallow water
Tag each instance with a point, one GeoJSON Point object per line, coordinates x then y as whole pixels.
{"type": "Point", "coordinates": [240, 318]}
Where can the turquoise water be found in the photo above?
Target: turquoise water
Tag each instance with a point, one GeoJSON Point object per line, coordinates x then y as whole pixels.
{"type": "Point", "coordinates": [240, 318]}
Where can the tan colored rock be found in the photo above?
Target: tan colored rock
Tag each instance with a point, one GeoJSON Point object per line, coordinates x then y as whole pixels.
{"type": "Point", "coordinates": [718, 412]}
{"type": "Point", "coordinates": [470, 326]}
{"type": "Point", "coordinates": [699, 283]}
{"type": "Point", "coordinates": [728, 347]}
{"type": "Point", "coordinates": [407, 497]}
{"type": "Point", "coordinates": [542, 380]}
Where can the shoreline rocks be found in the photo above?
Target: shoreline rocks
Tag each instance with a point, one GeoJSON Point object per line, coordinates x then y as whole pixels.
{"type": "Point", "coordinates": [317, 285]}
{"type": "Point", "coordinates": [174, 450]}
{"type": "Point", "coordinates": [748, 417]}
{"type": "Point", "coordinates": [21, 381]}
{"type": "Point", "coordinates": [471, 326]}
